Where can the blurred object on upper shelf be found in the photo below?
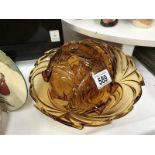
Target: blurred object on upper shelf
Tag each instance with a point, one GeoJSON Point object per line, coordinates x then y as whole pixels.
{"type": "Point", "coordinates": [109, 22]}
{"type": "Point", "coordinates": [142, 23]}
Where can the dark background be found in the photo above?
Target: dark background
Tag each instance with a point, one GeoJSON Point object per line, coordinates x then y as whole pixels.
{"type": "Point", "coordinates": [24, 39]}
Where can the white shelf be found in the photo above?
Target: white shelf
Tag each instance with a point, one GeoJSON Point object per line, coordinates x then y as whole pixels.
{"type": "Point", "coordinates": [28, 120]}
{"type": "Point", "coordinates": [124, 32]}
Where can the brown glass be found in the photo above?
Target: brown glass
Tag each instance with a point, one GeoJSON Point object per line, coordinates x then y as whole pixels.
{"type": "Point", "coordinates": [62, 86]}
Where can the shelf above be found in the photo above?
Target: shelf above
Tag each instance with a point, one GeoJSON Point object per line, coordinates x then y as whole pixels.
{"type": "Point", "coordinates": [124, 32]}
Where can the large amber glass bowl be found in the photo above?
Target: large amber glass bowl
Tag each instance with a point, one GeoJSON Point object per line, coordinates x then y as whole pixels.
{"type": "Point", "coordinates": [59, 83]}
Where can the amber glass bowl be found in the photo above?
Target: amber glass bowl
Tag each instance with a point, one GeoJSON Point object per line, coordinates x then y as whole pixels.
{"type": "Point", "coordinates": [121, 101]}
